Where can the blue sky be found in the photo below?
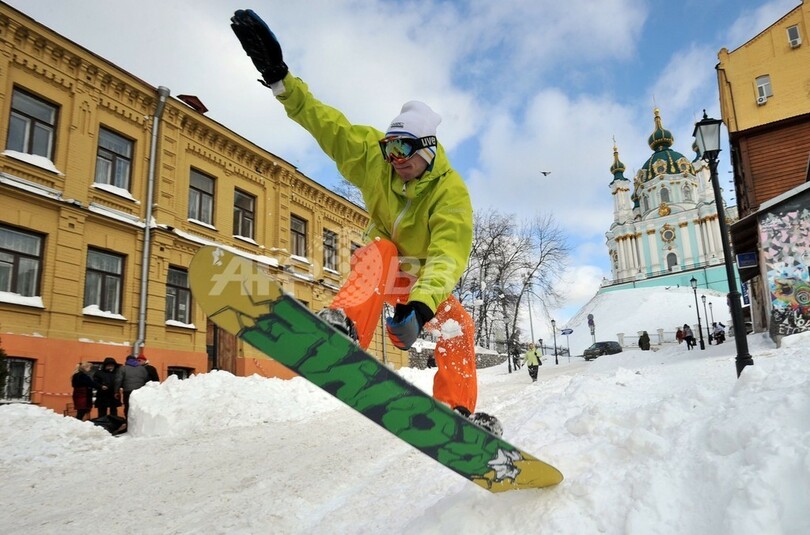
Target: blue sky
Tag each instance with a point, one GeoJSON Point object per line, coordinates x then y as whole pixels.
{"type": "Point", "coordinates": [522, 86]}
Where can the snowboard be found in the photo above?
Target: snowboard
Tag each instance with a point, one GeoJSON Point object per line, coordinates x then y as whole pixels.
{"type": "Point", "coordinates": [241, 296]}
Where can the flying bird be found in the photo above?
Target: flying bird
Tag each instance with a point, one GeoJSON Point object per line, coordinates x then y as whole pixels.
{"type": "Point", "coordinates": [545, 173]}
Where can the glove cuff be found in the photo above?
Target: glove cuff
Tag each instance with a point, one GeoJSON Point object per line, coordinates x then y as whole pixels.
{"type": "Point", "coordinates": [423, 312]}
{"type": "Point", "coordinates": [275, 73]}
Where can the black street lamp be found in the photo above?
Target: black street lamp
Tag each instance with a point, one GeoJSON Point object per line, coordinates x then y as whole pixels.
{"type": "Point", "coordinates": [706, 315]}
{"type": "Point", "coordinates": [693, 282]}
{"type": "Point", "coordinates": [554, 332]}
{"type": "Point", "coordinates": [707, 137]}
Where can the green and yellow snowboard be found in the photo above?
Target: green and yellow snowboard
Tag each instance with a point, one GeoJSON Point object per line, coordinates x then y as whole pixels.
{"type": "Point", "coordinates": [241, 297]}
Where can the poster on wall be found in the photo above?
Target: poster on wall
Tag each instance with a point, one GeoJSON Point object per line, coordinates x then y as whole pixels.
{"type": "Point", "coordinates": [785, 239]}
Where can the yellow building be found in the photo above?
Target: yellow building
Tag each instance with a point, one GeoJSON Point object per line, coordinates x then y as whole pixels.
{"type": "Point", "coordinates": [91, 154]}
{"type": "Point", "coordinates": [765, 103]}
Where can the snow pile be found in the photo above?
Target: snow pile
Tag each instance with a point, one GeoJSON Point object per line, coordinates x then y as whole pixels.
{"type": "Point", "coordinates": [28, 433]}
{"type": "Point", "coordinates": [219, 400]}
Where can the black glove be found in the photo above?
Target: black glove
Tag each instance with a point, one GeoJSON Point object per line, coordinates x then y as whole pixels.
{"type": "Point", "coordinates": [407, 323]}
{"type": "Point", "coordinates": [260, 44]}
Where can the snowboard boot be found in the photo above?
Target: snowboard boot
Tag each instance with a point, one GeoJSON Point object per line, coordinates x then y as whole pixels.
{"type": "Point", "coordinates": [483, 420]}
{"type": "Point", "coordinates": [338, 319]}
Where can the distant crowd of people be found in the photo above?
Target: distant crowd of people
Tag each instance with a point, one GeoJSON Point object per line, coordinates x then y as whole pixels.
{"type": "Point", "coordinates": [685, 334]}
{"type": "Point", "coordinates": [110, 386]}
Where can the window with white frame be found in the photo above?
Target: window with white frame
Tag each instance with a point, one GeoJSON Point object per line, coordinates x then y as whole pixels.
{"type": "Point", "coordinates": [201, 198]}
{"type": "Point", "coordinates": [645, 203]}
{"type": "Point", "coordinates": [178, 296]}
{"type": "Point", "coordinates": [298, 236]}
{"type": "Point", "coordinates": [764, 86]}
{"type": "Point", "coordinates": [31, 125]}
{"type": "Point", "coordinates": [114, 159]}
{"type": "Point", "coordinates": [20, 261]}
{"type": "Point", "coordinates": [17, 386]}
{"type": "Point", "coordinates": [793, 34]}
{"type": "Point", "coordinates": [664, 195]}
{"type": "Point", "coordinates": [687, 193]}
{"type": "Point", "coordinates": [104, 281]}
{"type": "Point", "coordinates": [330, 249]}
{"type": "Point", "coordinates": [244, 214]}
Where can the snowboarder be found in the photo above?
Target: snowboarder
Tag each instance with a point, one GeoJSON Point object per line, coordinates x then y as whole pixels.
{"type": "Point", "coordinates": [420, 235]}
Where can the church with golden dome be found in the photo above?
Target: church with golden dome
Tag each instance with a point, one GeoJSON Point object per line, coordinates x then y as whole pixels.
{"type": "Point", "coordinates": [665, 228]}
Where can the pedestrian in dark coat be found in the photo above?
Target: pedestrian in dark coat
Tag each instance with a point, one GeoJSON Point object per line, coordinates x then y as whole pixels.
{"type": "Point", "coordinates": [83, 386]}
{"type": "Point", "coordinates": [644, 341]}
{"type": "Point", "coordinates": [108, 397]}
{"type": "Point", "coordinates": [151, 371]}
{"type": "Point", "coordinates": [133, 376]}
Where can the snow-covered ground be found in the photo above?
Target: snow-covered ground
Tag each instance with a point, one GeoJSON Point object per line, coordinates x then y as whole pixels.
{"type": "Point", "coordinates": [656, 442]}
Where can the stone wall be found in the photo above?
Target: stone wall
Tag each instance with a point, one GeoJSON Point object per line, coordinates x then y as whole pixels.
{"type": "Point", "coordinates": [419, 358]}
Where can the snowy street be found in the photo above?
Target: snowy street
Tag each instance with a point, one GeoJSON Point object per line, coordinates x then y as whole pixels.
{"type": "Point", "coordinates": [649, 442]}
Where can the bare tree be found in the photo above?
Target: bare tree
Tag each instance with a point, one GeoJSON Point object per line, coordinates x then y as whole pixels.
{"type": "Point", "coordinates": [350, 192]}
{"type": "Point", "coordinates": [509, 262]}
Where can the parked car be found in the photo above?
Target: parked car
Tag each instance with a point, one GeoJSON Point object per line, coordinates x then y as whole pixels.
{"type": "Point", "coordinates": [601, 348]}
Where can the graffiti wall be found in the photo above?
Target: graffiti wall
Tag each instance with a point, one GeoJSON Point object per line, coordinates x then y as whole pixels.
{"type": "Point", "coordinates": [785, 239]}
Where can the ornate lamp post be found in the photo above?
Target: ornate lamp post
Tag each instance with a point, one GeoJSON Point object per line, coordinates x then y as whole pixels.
{"type": "Point", "coordinates": [706, 315]}
{"type": "Point", "coordinates": [554, 332]}
{"type": "Point", "coordinates": [693, 282]}
{"type": "Point", "coordinates": [707, 137]}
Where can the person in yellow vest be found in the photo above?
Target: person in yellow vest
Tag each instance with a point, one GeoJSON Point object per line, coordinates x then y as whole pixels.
{"type": "Point", "coordinates": [533, 361]}
{"type": "Point", "coordinates": [420, 234]}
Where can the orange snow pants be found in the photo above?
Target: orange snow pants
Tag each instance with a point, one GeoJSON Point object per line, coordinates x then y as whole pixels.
{"type": "Point", "coordinates": [376, 277]}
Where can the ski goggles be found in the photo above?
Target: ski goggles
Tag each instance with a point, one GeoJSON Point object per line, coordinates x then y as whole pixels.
{"type": "Point", "coordinates": [403, 148]}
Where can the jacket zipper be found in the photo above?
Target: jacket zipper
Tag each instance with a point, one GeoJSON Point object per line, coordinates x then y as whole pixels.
{"type": "Point", "coordinates": [398, 220]}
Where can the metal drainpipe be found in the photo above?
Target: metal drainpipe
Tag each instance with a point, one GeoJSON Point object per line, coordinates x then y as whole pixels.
{"type": "Point", "coordinates": [163, 95]}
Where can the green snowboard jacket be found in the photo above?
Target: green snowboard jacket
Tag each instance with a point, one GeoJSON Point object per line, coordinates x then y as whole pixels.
{"type": "Point", "coordinates": [429, 219]}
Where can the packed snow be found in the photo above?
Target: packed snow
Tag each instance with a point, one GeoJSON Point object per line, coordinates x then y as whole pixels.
{"type": "Point", "coordinates": [667, 441]}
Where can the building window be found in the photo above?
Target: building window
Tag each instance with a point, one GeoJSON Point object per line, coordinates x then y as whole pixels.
{"type": "Point", "coordinates": [664, 195]}
{"type": "Point", "coordinates": [32, 125]}
{"type": "Point", "coordinates": [330, 246]}
{"type": "Point", "coordinates": [178, 296]}
{"type": "Point", "coordinates": [645, 203]}
{"type": "Point", "coordinates": [793, 36]}
{"type": "Point", "coordinates": [672, 261]}
{"type": "Point", "coordinates": [668, 233]}
{"type": "Point", "coordinates": [687, 193]}
{"type": "Point", "coordinates": [114, 159]}
{"type": "Point", "coordinates": [298, 231]}
{"type": "Point", "coordinates": [201, 198]}
{"type": "Point", "coordinates": [17, 386]}
{"type": "Point", "coordinates": [244, 214]}
{"type": "Point", "coordinates": [103, 283]}
{"type": "Point", "coordinates": [764, 86]}
{"type": "Point", "coordinates": [180, 372]}
{"type": "Point", "coordinates": [20, 262]}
